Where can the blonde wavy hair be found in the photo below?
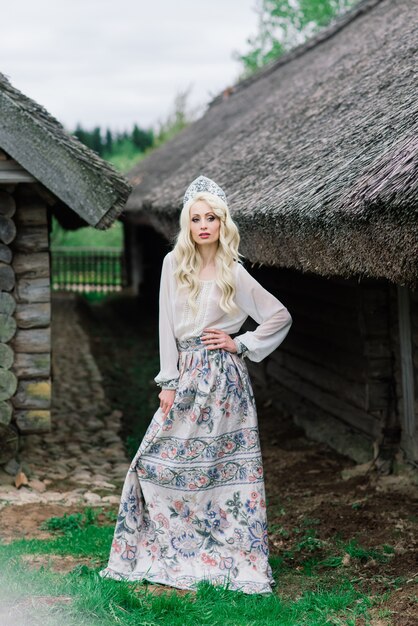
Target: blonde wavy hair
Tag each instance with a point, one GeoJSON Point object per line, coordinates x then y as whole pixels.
{"type": "Point", "coordinates": [189, 261]}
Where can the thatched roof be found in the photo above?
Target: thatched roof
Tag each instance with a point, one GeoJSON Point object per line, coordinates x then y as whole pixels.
{"type": "Point", "coordinates": [72, 172]}
{"type": "Point", "coordinates": [317, 153]}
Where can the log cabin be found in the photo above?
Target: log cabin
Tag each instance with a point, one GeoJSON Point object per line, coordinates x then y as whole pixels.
{"type": "Point", "coordinates": [43, 171]}
{"type": "Point", "coordinates": [317, 153]}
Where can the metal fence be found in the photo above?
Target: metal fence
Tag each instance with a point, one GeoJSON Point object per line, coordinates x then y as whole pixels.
{"type": "Point", "coordinates": [88, 269]}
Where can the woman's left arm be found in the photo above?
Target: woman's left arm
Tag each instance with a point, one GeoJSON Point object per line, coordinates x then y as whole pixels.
{"type": "Point", "coordinates": [272, 317]}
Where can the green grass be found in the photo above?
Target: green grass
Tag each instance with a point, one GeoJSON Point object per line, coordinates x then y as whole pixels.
{"type": "Point", "coordinates": [302, 599]}
{"type": "Point", "coordinates": [87, 237]}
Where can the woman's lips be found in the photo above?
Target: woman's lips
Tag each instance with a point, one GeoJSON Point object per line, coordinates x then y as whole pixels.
{"type": "Point", "coordinates": [204, 236]}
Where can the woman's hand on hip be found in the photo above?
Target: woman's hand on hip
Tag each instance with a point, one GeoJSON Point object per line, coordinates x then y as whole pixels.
{"type": "Point", "coordinates": [166, 400]}
{"type": "Point", "coordinates": [215, 339]}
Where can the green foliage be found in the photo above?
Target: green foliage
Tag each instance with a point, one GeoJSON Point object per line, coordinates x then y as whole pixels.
{"type": "Point", "coordinates": [73, 521]}
{"type": "Point", "coordinates": [124, 156]}
{"type": "Point", "coordinates": [109, 143]}
{"type": "Point", "coordinates": [177, 119]}
{"type": "Point", "coordinates": [357, 551]}
{"type": "Point", "coordinates": [304, 596]}
{"type": "Point", "coordinates": [142, 139]}
{"type": "Point", "coordinates": [95, 601]}
{"type": "Point", "coordinates": [87, 237]}
{"type": "Point", "coordinates": [283, 24]}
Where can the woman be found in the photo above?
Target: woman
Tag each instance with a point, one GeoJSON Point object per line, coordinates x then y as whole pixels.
{"type": "Point", "coordinates": [193, 503]}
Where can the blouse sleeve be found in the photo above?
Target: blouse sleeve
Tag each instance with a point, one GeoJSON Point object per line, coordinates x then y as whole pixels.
{"type": "Point", "coordinates": [272, 316]}
{"type": "Point", "coordinates": [168, 376]}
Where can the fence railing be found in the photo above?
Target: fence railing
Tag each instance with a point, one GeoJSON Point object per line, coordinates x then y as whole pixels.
{"type": "Point", "coordinates": [88, 269]}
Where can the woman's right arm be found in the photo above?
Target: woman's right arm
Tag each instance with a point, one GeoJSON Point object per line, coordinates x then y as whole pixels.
{"type": "Point", "coordinates": [168, 376]}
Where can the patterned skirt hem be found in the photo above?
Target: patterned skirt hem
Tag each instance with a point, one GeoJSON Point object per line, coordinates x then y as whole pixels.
{"type": "Point", "coordinates": [246, 587]}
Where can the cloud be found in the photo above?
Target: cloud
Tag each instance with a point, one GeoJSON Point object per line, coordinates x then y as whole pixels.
{"type": "Point", "coordinates": [113, 64]}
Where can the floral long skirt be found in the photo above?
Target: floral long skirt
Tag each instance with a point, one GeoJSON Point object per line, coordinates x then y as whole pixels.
{"type": "Point", "coordinates": [193, 502]}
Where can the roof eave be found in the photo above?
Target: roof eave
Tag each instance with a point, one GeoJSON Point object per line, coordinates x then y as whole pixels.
{"type": "Point", "coordinates": [72, 172]}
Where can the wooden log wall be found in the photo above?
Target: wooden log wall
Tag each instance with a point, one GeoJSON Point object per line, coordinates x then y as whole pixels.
{"type": "Point", "coordinates": [25, 311]}
{"type": "Point", "coordinates": [334, 371]}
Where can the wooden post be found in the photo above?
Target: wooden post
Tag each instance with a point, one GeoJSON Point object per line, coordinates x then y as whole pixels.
{"type": "Point", "coordinates": [407, 366]}
{"type": "Point", "coordinates": [133, 257]}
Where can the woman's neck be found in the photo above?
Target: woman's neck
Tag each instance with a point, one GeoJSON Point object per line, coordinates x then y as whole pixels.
{"type": "Point", "coordinates": [208, 254]}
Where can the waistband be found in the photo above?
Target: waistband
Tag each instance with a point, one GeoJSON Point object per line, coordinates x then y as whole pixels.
{"type": "Point", "coordinates": [191, 343]}
{"type": "Point", "coordinates": [194, 343]}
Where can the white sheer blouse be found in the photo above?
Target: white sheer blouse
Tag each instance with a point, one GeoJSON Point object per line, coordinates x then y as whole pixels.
{"type": "Point", "coordinates": [176, 321]}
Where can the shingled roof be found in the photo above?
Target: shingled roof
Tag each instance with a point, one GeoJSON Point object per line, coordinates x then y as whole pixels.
{"type": "Point", "coordinates": [317, 152]}
{"type": "Point", "coordinates": [72, 172]}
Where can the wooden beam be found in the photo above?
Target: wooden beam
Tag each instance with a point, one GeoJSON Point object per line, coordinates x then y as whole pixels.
{"type": "Point", "coordinates": [12, 172]}
{"type": "Point", "coordinates": [407, 366]}
{"type": "Point", "coordinates": [33, 290]}
{"type": "Point", "coordinates": [32, 341]}
{"type": "Point", "coordinates": [36, 315]}
{"type": "Point", "coordinates": [34, 365]}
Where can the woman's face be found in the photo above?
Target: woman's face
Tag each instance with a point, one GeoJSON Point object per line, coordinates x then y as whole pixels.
{"type": "Point", "coordinates": [203, 221]}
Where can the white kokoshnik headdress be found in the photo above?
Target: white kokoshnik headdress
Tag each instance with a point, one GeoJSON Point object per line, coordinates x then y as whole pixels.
{"type": "Point", "coordinates": [203, 184]}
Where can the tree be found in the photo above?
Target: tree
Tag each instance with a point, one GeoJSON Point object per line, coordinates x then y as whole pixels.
{"type": "Point", "coordinates": [109, 141]}
{"type": "Point", "coordinates": [96, 141]}
{"type": "Point", "coordinates": [142, 139]}
{"type": "Point", "coordinates": [180, 117]}
{"type": "Point", "coordinates": [81, 134]}
{"type": "Point", "coordinates": [283, 24]}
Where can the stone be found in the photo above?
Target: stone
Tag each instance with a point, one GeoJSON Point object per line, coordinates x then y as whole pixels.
{"type": "Point", "coordinates": [357, 470]}
{"type": "Point", "coordinates": [72, 462]}
{"type": "Point", "coordinates": [53, 496]}
{"type": "Point", "coordinates": [94, 424]}
{"type": "Point", "coordinates": [12, 467]}
{"type": "Point", "coordinates": [100, 477]}
{"type": "Point", "coordinates": [101, 484]}
{"type": "Point", "coordinates": [104, 466]}
{"type": "Point", "coordinates": [61, 467]}
{"type": "Point", "coordinates": [5, 490]}
{"type": "Point", "coordinates": [21, 479]}
{"type": "Point", "coordinates": [73, 449]}
{"type": "Point", "coordinates": [60, 475]}
{"type": "Point", "coordinates": [82, 437]}
{"type": "Point", "coordinates": [122, 468]}
{"type": "Point", "coordinates": [37, 485]}
{"type": "Point", "coordinates": [92, 498]}
{"type": "Point", "coordinates": [111, 499]}
{"type": "Point", "coordinates": [78, 477]}
{"type": "Point", "coordinates": [111, 453]}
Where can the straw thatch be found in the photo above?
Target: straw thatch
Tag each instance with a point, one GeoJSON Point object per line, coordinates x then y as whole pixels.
{"type": "Point", "coordinates": [317, 153]}
{"type": "Point", "coordinates": [72, 172]}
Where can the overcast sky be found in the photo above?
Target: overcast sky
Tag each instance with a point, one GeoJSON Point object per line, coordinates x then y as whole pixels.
{"type": "Point", "coordinates": [115, 62]}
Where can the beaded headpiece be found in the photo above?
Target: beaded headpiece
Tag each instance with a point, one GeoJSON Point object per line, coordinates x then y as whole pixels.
{"type": "Point", "coordinates": [203, 184]}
